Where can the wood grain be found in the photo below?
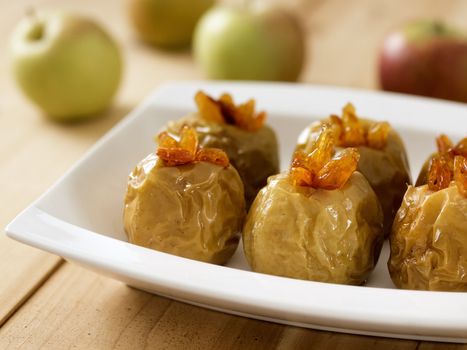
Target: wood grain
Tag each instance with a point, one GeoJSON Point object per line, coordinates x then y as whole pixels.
{"type": "Point", "coordinates": [46, 304]}
{"type": "Point", "coordinates": [80, 309]}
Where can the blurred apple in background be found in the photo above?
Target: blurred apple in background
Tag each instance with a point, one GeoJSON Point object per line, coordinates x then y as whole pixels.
{"type": "Point", "coordinates": [255, 41]}
{"type": "Point", "coordinates": [66, 64]}
{"type": "Point", "coordinates": [167, 23]}
{"type": "Point", "coordinates": [425, 58]}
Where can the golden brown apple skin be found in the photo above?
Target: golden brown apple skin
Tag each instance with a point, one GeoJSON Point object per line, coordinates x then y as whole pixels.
{"type": "Point", "coordinates": [429, 241]}
{"type": "Point", "coordinates": [195, 211]}
{"type": "Point", "coordinates": [386, 170]}
{"type": "Point", "coordinates": [255, 155]}
{"type": "Point", "coordinates": [314, 234]}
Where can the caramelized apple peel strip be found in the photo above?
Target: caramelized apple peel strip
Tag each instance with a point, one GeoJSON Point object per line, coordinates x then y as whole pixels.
{"type": "Point", "coordinates": [444, 144]}
{"type": "Point", "coordinates": [460, 149]}
{"type": "Point", "coordinates": [350, 132]}
{"type": "Point", "coordinates": [318, 167]}
{"type": "Point", "coordinates": [439, 174]}
{"type": "Point", "coordinates": [187, 150]}
{"type": "Point", "coordinates": [460, 174]}
{"type": "Point", "coordinates": [338, 170]}
{"type": "Point", "coordinates": [225, 111]}
{"type": "Point", "coordinates": [353, 133]}
{"type": "Point", "coordinates": [450, 163]}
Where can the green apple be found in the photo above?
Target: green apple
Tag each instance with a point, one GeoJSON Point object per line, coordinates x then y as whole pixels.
{"type": "Point", "coordinates": [66, 64]}
{"type": "Point", "coordinates": [167, 23]}
{"type": "Point", "coordinates": [250, 43]}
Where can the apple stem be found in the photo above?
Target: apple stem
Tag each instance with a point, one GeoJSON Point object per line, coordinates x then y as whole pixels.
{"type": "Point", "coordinates": [37, 31]}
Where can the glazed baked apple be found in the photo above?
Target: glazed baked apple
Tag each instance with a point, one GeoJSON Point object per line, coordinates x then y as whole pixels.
{"type": "Point", "coordinates": [429, 236]}
{"type": "Point", "coordinates": [319, 221]}
{"type": "Point", "coordinates": [185, 200]}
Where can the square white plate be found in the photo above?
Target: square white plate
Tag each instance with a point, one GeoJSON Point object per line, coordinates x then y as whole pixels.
{"type": "Point", "coordinates": [80, 218]}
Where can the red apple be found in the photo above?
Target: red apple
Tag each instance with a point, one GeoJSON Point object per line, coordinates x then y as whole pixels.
{"type": "Point", "coordinates": [425, 58]}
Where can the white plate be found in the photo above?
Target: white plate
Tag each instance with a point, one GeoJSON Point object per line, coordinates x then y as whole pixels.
{"type": "Point", "coordinates": [80, 218]}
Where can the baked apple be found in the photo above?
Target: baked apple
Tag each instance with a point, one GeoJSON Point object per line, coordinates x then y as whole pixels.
{"type": "Point", "coordinates": [429, 235]}
{"type": "Point", "coordinates": [185, 200]}
{"type": "Point", "coordinates": [319, 221]}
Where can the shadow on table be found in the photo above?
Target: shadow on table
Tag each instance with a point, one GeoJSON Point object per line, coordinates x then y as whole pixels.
{"type": "Point", "coordinates": [94, 128]}
{"type": "Point", "coordinates": [154, 321]}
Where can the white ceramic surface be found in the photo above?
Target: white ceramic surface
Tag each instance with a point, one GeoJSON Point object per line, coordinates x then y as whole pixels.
{"type": "Point", "coordinates": [80, 218]}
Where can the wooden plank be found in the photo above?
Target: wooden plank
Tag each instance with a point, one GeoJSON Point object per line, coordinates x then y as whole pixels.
{"type": "Point", "coordinates": [80, 309]}
{"type": "Point", "coordinates": [441, 346]}
{"type": "Point", "coordinates": [16, 288]}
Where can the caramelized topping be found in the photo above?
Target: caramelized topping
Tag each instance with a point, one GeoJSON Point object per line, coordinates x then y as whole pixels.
{"type": "Point", "coordinates": [439, 175]}
{"type": "Point", "coordinates": [460, 174]}
{"type": "Point", "coordinates": [213, 155]}
{"type": "Point", "coordinates": [444, 144]}
{"type": "Point", "coordinates": [350, 132]}
{"type": "Point", "coordinates": [461, 148]}
{"type": "Point", "coordinates": [449, 164]}
{"type": "Point", "coordinates": [378, 135]}
{"type": "Point", "coordinates": [318, 167]}
{"type": "Point", "coordinates": [225, 111]}
{"type": "Point", "coordinates": [353, 133]}
{"type": "Point", "coordinates": [187, 150]}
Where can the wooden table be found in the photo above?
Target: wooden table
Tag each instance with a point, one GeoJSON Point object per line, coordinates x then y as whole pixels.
{"type": "Point", "coordinates": [46, 302]}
